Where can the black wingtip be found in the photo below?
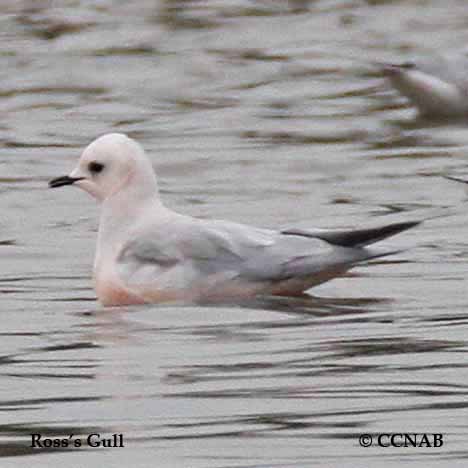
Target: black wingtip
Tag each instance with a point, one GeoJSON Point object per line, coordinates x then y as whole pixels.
{"type": "Point", "coordinates": [403, 226]}
{"type": "Point", "coordinates": [370, 236]}
{"type": "Point", "coordinates": [357, 237]}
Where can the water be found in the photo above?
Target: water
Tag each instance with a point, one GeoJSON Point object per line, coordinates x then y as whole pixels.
{"type": "Point", "coordinates": [264, 112]}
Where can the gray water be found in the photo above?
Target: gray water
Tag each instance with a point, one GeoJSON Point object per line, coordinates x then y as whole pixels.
{"type": "Point", "coordinates": [264, 112]}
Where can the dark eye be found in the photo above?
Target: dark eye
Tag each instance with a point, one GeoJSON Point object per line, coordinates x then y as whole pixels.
{"type": "Point", "coordinates": [95, 167]}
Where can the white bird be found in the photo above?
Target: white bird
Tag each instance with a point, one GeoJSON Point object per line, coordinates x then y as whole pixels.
{"type": "Point", "coordinates": [438, 87]}
{"type": "Point", "coordinates": [147, 253]}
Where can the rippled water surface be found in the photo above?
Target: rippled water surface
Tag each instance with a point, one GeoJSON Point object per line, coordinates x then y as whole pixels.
{"type": "Point", "coordinates": [265, 112]}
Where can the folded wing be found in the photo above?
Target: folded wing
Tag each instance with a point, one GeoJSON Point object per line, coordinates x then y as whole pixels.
{"type": "Point", "coordinates": [194, 251]}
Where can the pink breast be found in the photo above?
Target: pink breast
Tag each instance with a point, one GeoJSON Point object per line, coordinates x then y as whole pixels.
{"type": "Point", "coordinates": [111, 292]}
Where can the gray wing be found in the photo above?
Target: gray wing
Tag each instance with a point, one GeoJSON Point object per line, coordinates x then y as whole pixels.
{"type": "Point", "coordinates": [194, 249]}
{"type": "Point", "coordinates": [188, 249]}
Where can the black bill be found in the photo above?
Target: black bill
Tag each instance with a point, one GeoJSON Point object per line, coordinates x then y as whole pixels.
{"type": "Point", "coordinates": [64, 180]}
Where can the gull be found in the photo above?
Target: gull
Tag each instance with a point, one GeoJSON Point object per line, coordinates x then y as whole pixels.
{"type": "Point", "coordinates": [437, 86]}
{"type": "Point", "coordinates": [147, 253]}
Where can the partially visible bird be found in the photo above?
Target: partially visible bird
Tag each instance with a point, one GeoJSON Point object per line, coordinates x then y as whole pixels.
{"type": "Point", "coordinates": [438, 87]}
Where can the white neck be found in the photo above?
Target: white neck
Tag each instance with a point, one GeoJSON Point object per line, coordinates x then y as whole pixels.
{"type": "Point", "coordinates": [123, 211]}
